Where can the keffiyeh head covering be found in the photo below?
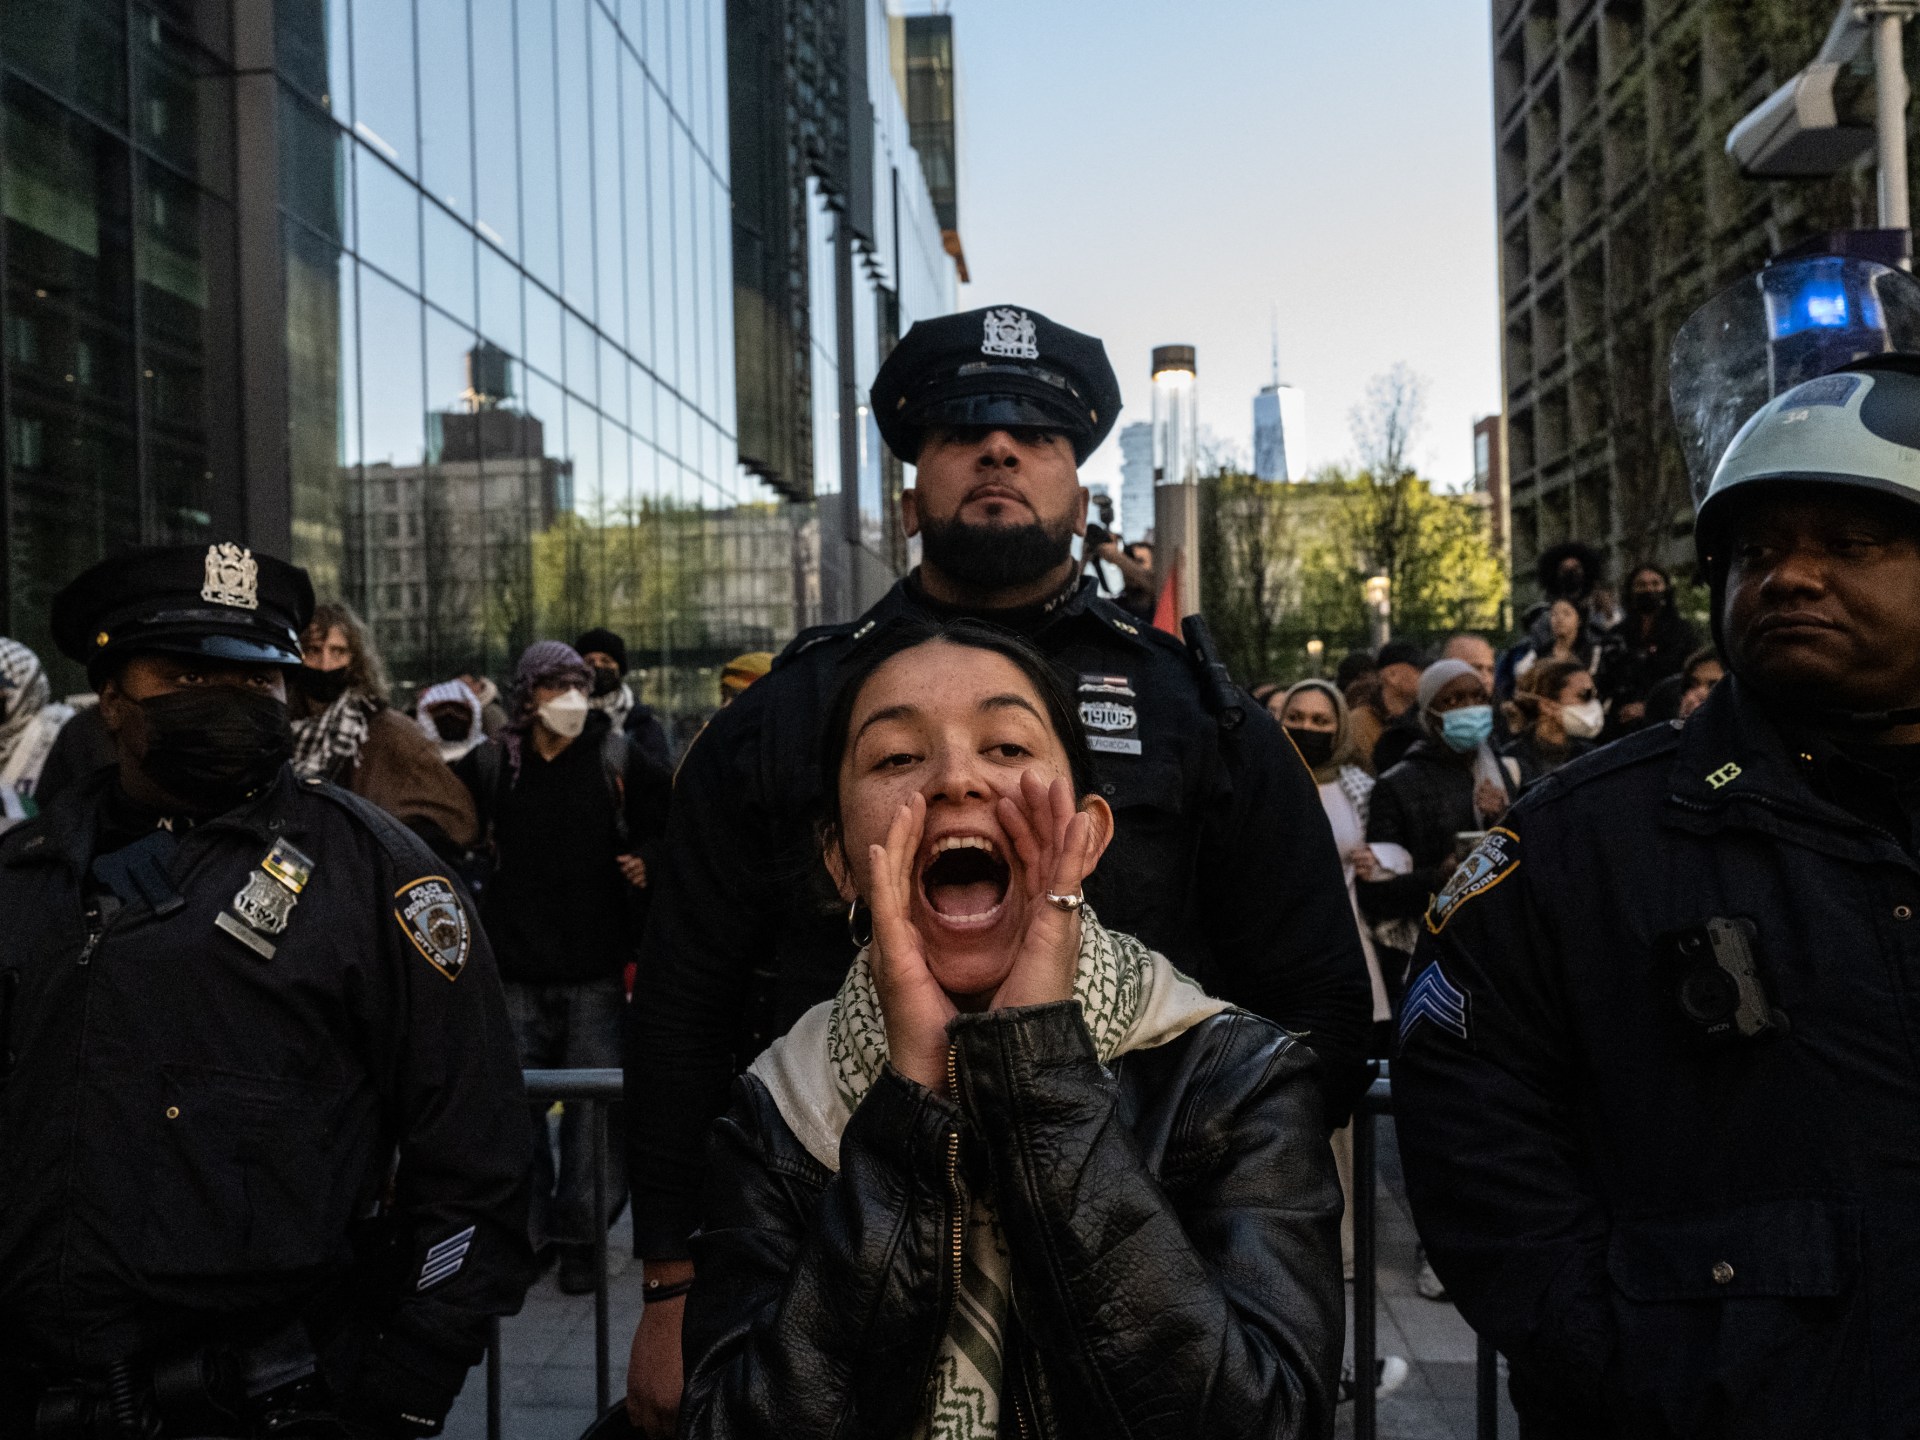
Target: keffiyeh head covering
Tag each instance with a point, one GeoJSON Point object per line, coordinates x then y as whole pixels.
{"type": "Point", "coordinates": [24, 692]}
{"type": "Point", "coordinates": [449, 692]}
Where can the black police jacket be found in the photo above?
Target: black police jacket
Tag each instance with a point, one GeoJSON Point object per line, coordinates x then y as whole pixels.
{"type": "Point", "coordinates": [1171, 1223]}
{"type": "Point", "coordinates": [1222, 860]}
{"type": "Point", "coordinates": [195, 1132]}
{"type": "Point", "coordinates": [1671, 1233]}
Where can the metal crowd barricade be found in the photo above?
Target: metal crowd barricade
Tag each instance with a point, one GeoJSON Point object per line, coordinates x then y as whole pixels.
{"type": "Point", "coordinates": [1366, 1284]}
{"type": "Point", "coordinates": [596, 1089]}
{"type": "Point", "coordinates": [600, 1088]}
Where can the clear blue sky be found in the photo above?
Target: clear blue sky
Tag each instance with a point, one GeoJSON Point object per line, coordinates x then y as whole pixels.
{"type": "Point", "coordinates": [1169, 171]}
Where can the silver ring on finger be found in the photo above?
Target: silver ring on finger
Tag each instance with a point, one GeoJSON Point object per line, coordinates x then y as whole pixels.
{"type": "Point", "coordinates": [1068, 903]}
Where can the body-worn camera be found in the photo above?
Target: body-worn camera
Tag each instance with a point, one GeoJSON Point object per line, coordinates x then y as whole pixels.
{"type": "Point", "coordinates": [1719, 988]}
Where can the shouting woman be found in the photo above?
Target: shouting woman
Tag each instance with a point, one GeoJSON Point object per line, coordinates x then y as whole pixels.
{"type": "Point", "coordinates": [1020, 1177]}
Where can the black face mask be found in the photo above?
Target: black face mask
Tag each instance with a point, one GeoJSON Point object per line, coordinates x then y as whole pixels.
{"type": "Point", "coordinates": [1315, 746]}
{"type": "Point", "coordinates": [451, 725]}
{"type": "Point", "coordinates": [1649, 602]}
{"type": "Point", "coordinates": [323, 687]}
{"type": "Point", "coordinates": [214, 745]}
{"type": "Point", "coordinates": [994, 557]}
{"type": "Point", "coordinates": [606, 680]}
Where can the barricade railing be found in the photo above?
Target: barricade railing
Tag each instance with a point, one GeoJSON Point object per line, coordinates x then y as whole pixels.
{"type": "Point", "coordinates": [1376, 1102]}
{"type": "Point", "coordinates": [598, 1089]}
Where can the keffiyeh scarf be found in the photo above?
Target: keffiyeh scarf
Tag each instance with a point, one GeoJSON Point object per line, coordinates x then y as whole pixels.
{"type": "Point", "coordinates": [1131, 998]}
{"type": "Point", "coordinates": [327, 746]}
{"type": "Point", "coordinates": [23, 692]}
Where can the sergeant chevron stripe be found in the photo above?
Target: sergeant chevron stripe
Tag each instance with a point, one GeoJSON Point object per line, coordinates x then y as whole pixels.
{"type": "Point", "coordinates": [444, 1260]}
{"type": "Point", "coordinates": [1434, 997]}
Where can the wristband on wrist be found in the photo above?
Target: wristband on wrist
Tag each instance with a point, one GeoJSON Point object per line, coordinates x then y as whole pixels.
{"type": "Point", "coordinates": [654, 1290]}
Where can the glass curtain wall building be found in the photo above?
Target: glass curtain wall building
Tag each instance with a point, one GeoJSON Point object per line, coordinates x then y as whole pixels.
{"type": "Point", "coordinates": [438, 297]}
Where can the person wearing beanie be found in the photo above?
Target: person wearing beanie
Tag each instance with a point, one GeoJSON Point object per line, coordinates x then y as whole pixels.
{"type": "Point", "coordinates": [572, 811]}
{"type": "Point", "coordinates": [1399, 667]}
{"type": "Point", "coordinates": [606, 654]}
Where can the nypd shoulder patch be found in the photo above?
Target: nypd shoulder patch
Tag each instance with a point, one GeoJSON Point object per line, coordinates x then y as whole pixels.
{"type": "Point", "coordinates": [435, 920]}
{"type": "Point", "coordinates": [1487, 864]}
{"type": "Point", "coordinates": [1434, 997]}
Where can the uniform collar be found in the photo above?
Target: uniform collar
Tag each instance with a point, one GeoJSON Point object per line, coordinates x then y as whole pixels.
{"type": "Point", "coordinates": [1736, 751]}
{"type": "Point", "coordinates": [1079, 601]}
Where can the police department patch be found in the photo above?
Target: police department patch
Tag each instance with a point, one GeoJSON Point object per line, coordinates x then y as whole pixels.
{"type": "Point", "coordinates": [1487, 864]}
{"type": "Point", "coordinates": [1436, 998]}
{"type": "Point", "coordinates": [436, 922]}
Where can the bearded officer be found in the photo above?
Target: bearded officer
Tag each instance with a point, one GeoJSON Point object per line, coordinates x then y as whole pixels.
{"type": "Point", "coordinates": [264, 1131]}
{"type": "Point", "coordinates": [1659, 1100]}
{"type": "Point", "coordinates": [1222, 859]}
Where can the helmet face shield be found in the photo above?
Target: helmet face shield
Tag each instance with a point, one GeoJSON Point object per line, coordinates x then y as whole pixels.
{"type": "Point", "coordinates": [1765, 334]}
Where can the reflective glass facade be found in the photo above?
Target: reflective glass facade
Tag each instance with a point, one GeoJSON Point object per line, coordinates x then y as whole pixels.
{"type": "Point", "coordinates": [117, 363]}
{"type": "Point", "coordinates": [438, 297]}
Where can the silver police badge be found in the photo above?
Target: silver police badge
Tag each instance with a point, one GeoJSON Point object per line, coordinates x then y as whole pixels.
{"type": "Point", "coordinates": [1010, 333]}
{"type": "Point", "coordinates": [264, 903]}
{"type": "Point", "coordinates": [233, 577]}
{"type": "Point", "coordinates": [430, 911]}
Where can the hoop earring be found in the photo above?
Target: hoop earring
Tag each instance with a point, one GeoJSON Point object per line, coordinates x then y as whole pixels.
{"type": "Point", "coordinates": [853, 932]}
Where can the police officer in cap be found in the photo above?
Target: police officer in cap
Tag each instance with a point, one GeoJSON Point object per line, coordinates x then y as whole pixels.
{"type": "Point", "coordinates": [1659, 1093]}
{"type": "Point", "coordinates": [264, 1131]}
{"type": "Point", "coordinates": [1222, 859]}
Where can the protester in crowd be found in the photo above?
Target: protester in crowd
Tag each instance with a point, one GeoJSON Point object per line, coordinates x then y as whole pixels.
{"type": "Point", "coordinates": [1314, 715]}
{"type": "Point", "coordinates": [1358, 680]}
{"type": "Point", "coordinates": [1017, 1105]}
{"type": "Point", "coordinates": [1450, 784]}
{"type": "Point", "coordinates": [493, 710]}
{"type": "Point", "coordinates": [1554, 716]}
{"type": "Point", "coordinates": [1138, 590]}
{"type": "Point", "coordinates": [742, 671]}
{"type": "Point", "coordinates": [1568, 638]}
{"type": "Point", "coordinates": [449, 716]}
{"type": "Point", "coordinates": [1651, 643]}
{"type": "Point", "coordinates": [30, 722]}
{"type": "Point", "coordinates": [346, 733]}
{"type": "Point", "coordinates": [1703, 671]}
{"type": "Point", "coordinates": [573, 810]}
{"type": "Point", "coordinates": [606, 653]}
{"type": "Point", "coordinates": [1401, 664]}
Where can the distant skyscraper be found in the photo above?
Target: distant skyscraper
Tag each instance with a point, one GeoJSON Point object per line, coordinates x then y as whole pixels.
{"type": "Point", "coordinates": [1136, 479]}
{"type": "Point", "coordinates": [1279, 432]}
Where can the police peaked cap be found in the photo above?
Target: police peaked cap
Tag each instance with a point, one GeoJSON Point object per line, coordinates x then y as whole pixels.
{"type": "Point", "coordinates": [997, 367]}
{"type": "Point", "coordinates": [220, 602]}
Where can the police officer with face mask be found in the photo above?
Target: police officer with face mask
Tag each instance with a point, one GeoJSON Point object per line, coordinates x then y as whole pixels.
{"type": "Point", "coordinates": [264, 1135]}
{"type": "Point", "coordinates": [1222, 856]}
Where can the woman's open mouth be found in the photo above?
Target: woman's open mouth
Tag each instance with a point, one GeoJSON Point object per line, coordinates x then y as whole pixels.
{"type": "Point", "coordinates": [964, 881]}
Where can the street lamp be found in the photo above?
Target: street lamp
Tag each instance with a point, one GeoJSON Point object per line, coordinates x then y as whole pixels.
{"type": "Point", "coordinates": [1316, 652]}
{"type": "Point", "coordinates": [1799, 131]}
{"type": "Point", "coordinates": [1379, 597]}
{"type": "Point", "coordinates": [1176, 496]}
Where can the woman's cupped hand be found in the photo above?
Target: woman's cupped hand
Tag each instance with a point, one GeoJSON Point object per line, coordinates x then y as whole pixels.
{"type": "Point", "coordinates": [1055, 847]}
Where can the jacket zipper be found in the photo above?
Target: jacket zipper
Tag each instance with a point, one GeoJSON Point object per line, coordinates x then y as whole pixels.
{"type": "Point", "coordinates": [1791, 812]}
{"type": "Point", "coordinates": [95, 929]}
{"type": "Point", "coordinates": [953, 1183]}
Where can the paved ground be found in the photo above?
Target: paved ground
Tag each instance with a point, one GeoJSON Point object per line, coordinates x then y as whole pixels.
{"type": "Point", "coordinates": [547, 1349]}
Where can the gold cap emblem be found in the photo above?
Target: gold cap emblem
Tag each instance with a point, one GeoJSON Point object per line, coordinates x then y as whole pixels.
{"type": "Point", "coordinates": [233, 577]}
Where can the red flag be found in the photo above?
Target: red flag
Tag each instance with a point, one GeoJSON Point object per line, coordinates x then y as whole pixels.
{"type": "Point", "coordinates": [1166, 612]}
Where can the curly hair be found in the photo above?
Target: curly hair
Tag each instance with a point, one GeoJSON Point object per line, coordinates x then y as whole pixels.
{"type": "Point", "coordinates": [366, 672]}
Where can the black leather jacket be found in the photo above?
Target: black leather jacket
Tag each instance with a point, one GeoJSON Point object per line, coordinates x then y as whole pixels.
{"type": "Point", "coordinates": [1172, 1222]}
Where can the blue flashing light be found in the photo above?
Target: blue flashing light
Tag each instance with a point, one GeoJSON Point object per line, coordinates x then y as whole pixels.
{"type": "Point", "coordinates": [1814, 295]}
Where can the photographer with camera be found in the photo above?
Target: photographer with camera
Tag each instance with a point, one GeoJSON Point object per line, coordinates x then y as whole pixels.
{"type": "Point", "coordinates": [1657, 1096]}
{"type": "Point", "coordinates": [1133, 559]}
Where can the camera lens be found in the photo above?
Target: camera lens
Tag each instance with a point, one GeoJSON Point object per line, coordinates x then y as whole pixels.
{"type": "Point", "coordinates": [1709, 995]}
